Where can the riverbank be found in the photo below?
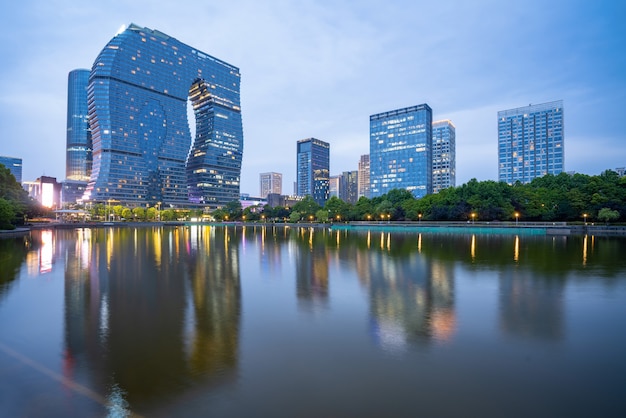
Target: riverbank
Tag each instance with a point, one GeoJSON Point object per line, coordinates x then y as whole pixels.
{"type": "Point", "coordinates": [508, 228]}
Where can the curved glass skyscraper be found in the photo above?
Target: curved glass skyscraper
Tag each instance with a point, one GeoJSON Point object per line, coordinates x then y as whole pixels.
{"type": "Point", "coordinates": [142, 154]}
{"type": "Point", "coordinates": [78, 141]}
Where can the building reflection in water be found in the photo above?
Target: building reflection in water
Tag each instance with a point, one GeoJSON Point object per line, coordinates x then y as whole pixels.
{"type": "Point", "coordinates": [151, 311]}
{"type": "Point", "coordinates": [312, 268]}
{"type": "Point", "coordinates": [411, 296]}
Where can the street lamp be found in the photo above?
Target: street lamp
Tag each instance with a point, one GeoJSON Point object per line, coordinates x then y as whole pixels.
{"type": "Point", "coordinates": [585, 217]}
{"type": "Point", "coordinates": [419, 216]}
{"type": "Point", "coordinates": [473, 217]}
{"type": "Point", "coordinates": [516, 217]}
{"type": "Point", "coordinates": [263, 218]}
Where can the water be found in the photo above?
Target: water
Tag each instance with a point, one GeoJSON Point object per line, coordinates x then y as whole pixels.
{"type": "Point", "coordinates": [295, 322]}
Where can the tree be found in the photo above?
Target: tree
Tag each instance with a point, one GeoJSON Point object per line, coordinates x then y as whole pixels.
{"type": "Point", "coordinates": [322, 215]}
{"type": "Point", "coordinates": [7, 214]}
{"type": "Point", "coordinates": [306, 206]}
{"type": "Point", "coordinates": [139, 213]}
{"type": "Point", "coordinates": [607, 215]}
{"type": "Point", "coordinates": [294, 216]}
{"type": "Point", "coordinates": [127, 214]}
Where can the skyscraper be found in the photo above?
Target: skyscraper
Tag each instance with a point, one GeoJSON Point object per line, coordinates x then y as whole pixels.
{"type": "Point", "coordinates": [444, 155]}
{"type": "Point", "coordinates": [401, 151]}
{"type": "Point", "coordinates": [78, 157]}
{"type": "Point", "coordinates": [137, 99]}
{"type": "Point", "coordinates": [14, 165]}
{"type": "Point", "coordinates": [348, 186]}
{"type": "Point", "coordinates": [531, 142]}
{"type": "Point", "coordinates": [313, 160]}
{"type": "Point", "coordinates": [271, 183]}
{"type": "Point", "coordinates": [364, 176]}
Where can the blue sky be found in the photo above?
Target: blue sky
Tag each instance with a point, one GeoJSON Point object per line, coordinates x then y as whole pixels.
{"type": "Point", "coordinates": [321, 68]}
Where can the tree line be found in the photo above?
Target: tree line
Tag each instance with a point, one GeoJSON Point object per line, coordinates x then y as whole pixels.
{"type": "Point", "coordinates": [562, 197]}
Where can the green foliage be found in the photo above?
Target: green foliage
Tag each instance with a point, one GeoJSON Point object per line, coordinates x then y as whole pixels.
{"type": "Point", "coordinates": [321, 215]}
{"type": "Point", "coordinates": [7, 214]}
{"type": "Point", "coordinates": [306, 206]}
{"type": "Point", "coordinates": [21, 205]}
{"type": "Point", "coordinates": [607, 215]}
{"type": "Point", "coordinates": [294, 216]}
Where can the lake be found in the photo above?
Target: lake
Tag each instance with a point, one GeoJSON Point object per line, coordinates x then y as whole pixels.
{"type": "Point", "coordinates": [263, 321]}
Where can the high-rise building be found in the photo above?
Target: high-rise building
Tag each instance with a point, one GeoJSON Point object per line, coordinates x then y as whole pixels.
{"type": "Point", "coordinates": [401, 151]}
{"type": "Point", "coordinates": [334, 183]}
{"type": "Point", "coordinates": [271, 183]}
{"type": "Point", "coordinates": [14, 165]}
{"type": "Point", "coordinates": [444, 155]}
{"type": "Point", "coordinates": [313, 159]}
{"type": "Point", "coordinates": [78, 157]}
{"type": "Point", "coordinates": [364, 176]}
{"type": "Point", "coordinates": [142, 147]}
{"type": "Point", "coordinates": [530, 142]}
{"type": "Point", "coordinates": [348, 186]}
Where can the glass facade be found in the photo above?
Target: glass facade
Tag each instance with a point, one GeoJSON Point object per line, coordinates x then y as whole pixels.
{"type": "Point", "coordinates": [401, 151]}
{"type": "Point", "coordinates": [348, 186]}
{"type": "Point", "coordinates": [270, 183]}
{"type": "Point", "coordinates": [78, 157]}
{"type": "Point", "coordinates": [444, 155]}
{"type": "Point", "coordinates": [364, 176]}
{"type": "Point", "coordinates": [313, 169]}
{"type": "Point", "coordinates": [14, 165]}
{"type": "Point", "coordinates": [530, 142]}
{"type": "Point", "coordinates": [138, 92]}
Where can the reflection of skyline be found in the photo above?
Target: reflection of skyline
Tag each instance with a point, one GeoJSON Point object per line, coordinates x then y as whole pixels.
{"type": "Point", "coordinates": [148, 310]}
{"type": "Point", "coordinates": [531, 307]}
{"type": "Point", "coordinates": [411, 299]}
{"type": "Point", "coordinates": [312, 267]}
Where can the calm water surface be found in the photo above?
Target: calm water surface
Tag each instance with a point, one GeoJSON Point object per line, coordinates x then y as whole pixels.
{"type": "Point", "coordinates": [295, 322]}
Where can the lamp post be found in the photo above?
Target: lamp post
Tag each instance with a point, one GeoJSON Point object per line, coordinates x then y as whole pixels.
{"type": "Point", "coordinates": [585, 217]}
{"type": "Point", "coordinates": [473, 217]}
{"type": "Point", "coordinates": [419, 217]}
{"type": "Point", "coordinates": [516, 217]}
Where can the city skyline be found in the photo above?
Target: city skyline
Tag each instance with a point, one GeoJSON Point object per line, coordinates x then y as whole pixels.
{"type": "Point", "coordinates": [307, 72]}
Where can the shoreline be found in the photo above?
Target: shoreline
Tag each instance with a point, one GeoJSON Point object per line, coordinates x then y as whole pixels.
{"type": "Point", "coordinates": [505, 228]}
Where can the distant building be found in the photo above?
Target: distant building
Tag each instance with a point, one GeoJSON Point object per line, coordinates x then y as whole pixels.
{"type": "Point", "coordinates": [621, 171]}
{"type": "Point", "coordinates": [274, 200]}
{"type": "Point", "coordinates": [401, 151]}
{"type": "Point", "coordinates": [78, 153]}
{"type": "Point", "coordinates": [333, 186]}
{"type": "Point", "coordinates": [247, 201]}
{"type": "Point", "coordinates": [270, 183]}
{"type": "Point", "coordinates": [444, 155]}
{"type": "Point", "coordinates": [72, 192]}
{"type": "Point", "coordinates": [364, 176]}
{"type": "Point", "coordinates": [348, 186]}
{"type": "Point", "coordinates": [14, 165]}
{"type": "Point", "coordinates": [45, 190]}
{"type": "Point", "coordinates": [313, 167]}
{"type": "Point", "coordinates": [531, 142]}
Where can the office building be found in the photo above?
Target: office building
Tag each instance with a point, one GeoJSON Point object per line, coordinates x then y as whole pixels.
{"type": "Point", "coordinates": [72, 192]}
{"type": "Point", "coordinates": [364, 176]}
{"type": "Point", "coordinates": [444, 155]}
{"type": "Point", "coordinates": [78, 156]}
{"type": "Point", "coordinates": [333, 186]}
{"type": "Point", "coordinates": [313, 167]}
{"type": "Point", "coordinates": [401, 151]}
{"type": "Point", "coordinates": [531, 142]}
{"type": "Point", "coordinates": [142, 146]}
{"type": "Point", "coordinates": [348, 186]}
{"type": "Point", "coordinates": [14, 165]}
{"type": "Point", "coordinates": [271, 183]}
{"type": "Point", "coordinates": [45, 190]}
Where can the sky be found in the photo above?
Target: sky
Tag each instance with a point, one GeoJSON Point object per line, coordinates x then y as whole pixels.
{"type": "Point", "coordinates": [321, 68]}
